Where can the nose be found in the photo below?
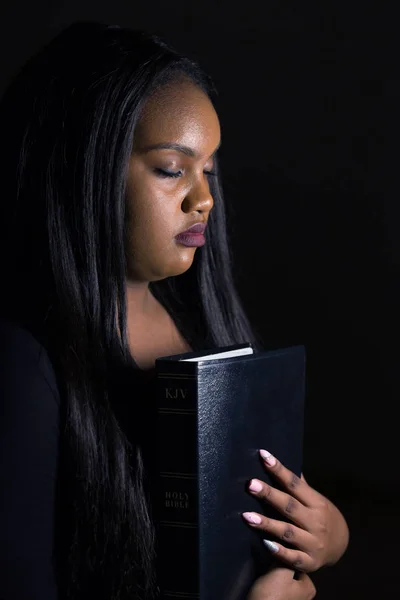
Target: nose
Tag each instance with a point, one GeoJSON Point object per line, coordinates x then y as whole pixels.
{"type": "Point", "coordinates": [199, 198]}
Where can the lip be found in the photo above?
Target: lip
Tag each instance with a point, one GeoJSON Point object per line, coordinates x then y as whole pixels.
{"type": "Point", "coordinates": [197, 228]}
{"type": "Point", "coordinates": [192, 237]}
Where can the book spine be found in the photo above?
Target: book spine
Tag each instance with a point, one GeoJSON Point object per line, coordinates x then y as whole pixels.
{"type": "Point", "coordinates": [177, 485]}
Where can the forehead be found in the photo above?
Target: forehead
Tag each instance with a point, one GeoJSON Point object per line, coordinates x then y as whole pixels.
{"type": "Point", "coordinates": [179, 113]}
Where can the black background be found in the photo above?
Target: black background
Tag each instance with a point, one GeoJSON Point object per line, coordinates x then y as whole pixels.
{"type": "Point", "coordinates": [308, 102]}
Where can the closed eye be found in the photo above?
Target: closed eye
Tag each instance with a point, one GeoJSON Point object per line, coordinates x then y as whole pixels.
{"type": "Point", "coordinates": [164, 173]}
{"type": "Point", "coordinates": [176, 174]}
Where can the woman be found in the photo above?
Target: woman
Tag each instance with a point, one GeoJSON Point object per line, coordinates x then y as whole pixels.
{"type": "Point", "coordinates": [109, 156]}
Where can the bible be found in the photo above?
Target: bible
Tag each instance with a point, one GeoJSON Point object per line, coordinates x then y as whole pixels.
{"type": "Point", "coordinates": [215, 410]}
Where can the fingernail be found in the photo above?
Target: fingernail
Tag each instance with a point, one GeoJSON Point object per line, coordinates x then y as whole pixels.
{"type": "Point", "coordinates": [255, 485]}
{"type": "Point", "coordinates": [269, 459]}
{"type": "Point", "coordinates": [252, 517]}
{"type": "Point", "coordinates": [271, 545]}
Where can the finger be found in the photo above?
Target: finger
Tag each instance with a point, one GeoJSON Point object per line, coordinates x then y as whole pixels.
{"type": "Point", "coordinates": [297, 486]}
{"type": "Point", "coordinates": [306, 585]}
{"type": "Point", "coordinates": [286, 532]}
{"type": "Point", "coordinates": [283, 572]}
{"type": "Point", "coordinates": [276, 565]}
{"type": "Point", "coordinates": [295, 559]}
{"type": "Point", "coordinates": [284, 503]}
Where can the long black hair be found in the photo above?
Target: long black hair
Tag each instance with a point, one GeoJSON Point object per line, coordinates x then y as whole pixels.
{"type": "Point", "coordinates": [67, 123]}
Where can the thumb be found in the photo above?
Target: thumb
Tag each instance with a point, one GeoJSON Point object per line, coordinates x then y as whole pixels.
{"type": "Point", "coordinates": [304, 583]}
{"type": "Point", "coordinates": [277, 565]}
{"type": "Point", "coordinates": [281, 572]}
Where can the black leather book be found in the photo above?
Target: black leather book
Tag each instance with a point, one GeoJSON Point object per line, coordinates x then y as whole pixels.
{"type": "Point", "coordinates": [215, 410]}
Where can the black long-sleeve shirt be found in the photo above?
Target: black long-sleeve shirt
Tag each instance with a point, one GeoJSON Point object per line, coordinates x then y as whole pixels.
{"type": "Point", "coordinates": [29, 440]}
{"type": "Point", "coordinates": [30, 409]}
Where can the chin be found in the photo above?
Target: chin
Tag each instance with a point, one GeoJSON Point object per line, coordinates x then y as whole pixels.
{"type": "Point", "coordinates": [178, 268]}
{"type": "Point", "coordinates": [177, 272]}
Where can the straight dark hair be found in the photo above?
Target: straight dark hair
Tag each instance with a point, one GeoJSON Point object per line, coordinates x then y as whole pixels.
{"type": "Point", "coordinates": [67, 123]}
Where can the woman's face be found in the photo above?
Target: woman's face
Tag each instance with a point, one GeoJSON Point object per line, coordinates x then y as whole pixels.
{"type": "Point", "coordinates": [168, 181]}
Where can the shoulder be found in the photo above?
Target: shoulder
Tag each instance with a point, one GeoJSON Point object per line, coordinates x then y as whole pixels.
{"type": "Point", "coordinates": [29, 464]}
{"type": "Point", "coordinates": [24, 358]}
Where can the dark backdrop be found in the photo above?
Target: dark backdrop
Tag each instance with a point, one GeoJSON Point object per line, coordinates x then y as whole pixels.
{"type": "Point", "coordinates": [308, 97]}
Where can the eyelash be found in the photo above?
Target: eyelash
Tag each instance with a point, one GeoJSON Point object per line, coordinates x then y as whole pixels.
{"type": "Point", "coordinates": [175, 175]}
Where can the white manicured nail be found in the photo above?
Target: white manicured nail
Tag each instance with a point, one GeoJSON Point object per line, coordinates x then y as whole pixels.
{"type": "Point", "coordinates": [269, 459]}
{"type": "Point", "coordinates": [271, 545]}
{"type": "Point", "coordinates": [255, 485]}
{"type": "Point", "coordinates": [252, 518]}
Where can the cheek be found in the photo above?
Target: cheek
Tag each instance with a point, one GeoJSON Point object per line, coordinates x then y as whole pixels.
{"type": "Point", "coordinates": [153, 215]}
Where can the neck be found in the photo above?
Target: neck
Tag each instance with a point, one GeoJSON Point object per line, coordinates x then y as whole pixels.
{"type": "Point", "coordinates": [140, 300]}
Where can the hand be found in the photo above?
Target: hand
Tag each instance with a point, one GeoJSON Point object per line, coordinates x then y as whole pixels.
{"type": "Point", "coordinates": [278, 584]}
{"type": "Point", "coordinates": [319, 534]}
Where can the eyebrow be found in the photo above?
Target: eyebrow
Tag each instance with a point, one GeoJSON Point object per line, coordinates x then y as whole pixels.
{"type": "Point", "coordinates": [177, 147]}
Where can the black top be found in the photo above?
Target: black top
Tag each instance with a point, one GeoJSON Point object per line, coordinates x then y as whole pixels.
{"type": "Point", "coordinates": [29, 440]}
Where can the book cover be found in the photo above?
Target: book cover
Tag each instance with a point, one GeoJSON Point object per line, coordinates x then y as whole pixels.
{"type": "Point", "coordinates": [215, 410]}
